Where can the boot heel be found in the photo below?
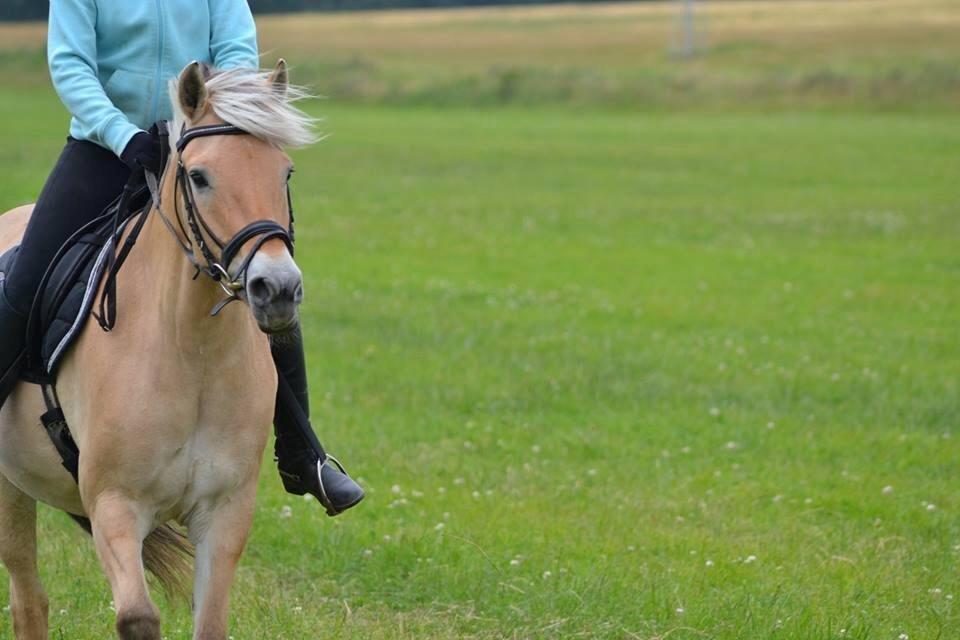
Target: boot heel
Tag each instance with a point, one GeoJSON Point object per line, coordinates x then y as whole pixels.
{"type": "Point", "coordinates": [292, 483]}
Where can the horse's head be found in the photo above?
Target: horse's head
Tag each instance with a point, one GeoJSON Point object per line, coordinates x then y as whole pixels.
{"type": "Point", "coordinates": [232, 189]}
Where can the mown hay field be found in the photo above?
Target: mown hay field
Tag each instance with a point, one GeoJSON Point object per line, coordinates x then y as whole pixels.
{"type": "Point", "coordinates": [668, 359]}
{"type": "Point", "coordinates": [889, 54]}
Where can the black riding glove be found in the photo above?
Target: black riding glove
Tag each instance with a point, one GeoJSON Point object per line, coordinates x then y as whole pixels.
{"type": "Point", "coordinates": [143, 151]}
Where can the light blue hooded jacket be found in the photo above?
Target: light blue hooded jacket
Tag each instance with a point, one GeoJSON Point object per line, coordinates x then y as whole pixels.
{"type": "Point", "coordinates": [111, 60]}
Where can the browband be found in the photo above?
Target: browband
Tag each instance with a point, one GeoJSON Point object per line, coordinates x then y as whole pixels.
{"type": "Point", "coordinates": [186, 135]}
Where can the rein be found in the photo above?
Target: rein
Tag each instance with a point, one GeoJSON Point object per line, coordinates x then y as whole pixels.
{"type": "Point", "coordinates": [217, 269]}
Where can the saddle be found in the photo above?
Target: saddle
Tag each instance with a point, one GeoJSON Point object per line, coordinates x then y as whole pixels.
{"type": "Point", "coordinates": [65, 300]}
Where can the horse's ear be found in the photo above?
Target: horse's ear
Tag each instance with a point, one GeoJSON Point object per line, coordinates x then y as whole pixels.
{"type": "Point", "coordinates": [280, 78]}
{"type": "Point", "coordinates": [193, 91]}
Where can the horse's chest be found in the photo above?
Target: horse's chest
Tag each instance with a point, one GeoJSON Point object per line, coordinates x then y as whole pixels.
{"type": "Point", "coordinates": [179, 440]}
{"type": "Point", "coordinates": [207, 470]}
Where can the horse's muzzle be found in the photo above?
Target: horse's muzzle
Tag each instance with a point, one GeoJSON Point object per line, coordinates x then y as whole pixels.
{"type": "Point", "coordinates": [274, 292]}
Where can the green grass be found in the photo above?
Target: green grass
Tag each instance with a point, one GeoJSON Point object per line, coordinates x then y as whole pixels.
{"type": "Point", "coordinates": [614, 349]}
{"type": "Point", "coordinates": [650, 371]}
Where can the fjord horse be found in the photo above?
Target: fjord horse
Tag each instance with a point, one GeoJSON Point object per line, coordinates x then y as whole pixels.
{"type": "Point", "coordinates": [171, 410]}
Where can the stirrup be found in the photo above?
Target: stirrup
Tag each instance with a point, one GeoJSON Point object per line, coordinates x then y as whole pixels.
{"type": "Point", "coordinates": [323, 497]}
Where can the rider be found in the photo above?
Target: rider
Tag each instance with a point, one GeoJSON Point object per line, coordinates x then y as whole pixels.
{"type": "Point", "coordinates": [110, 61]}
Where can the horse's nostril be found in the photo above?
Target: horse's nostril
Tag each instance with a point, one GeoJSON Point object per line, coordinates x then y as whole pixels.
{"type": "Point", "coordinates": [259, 290]}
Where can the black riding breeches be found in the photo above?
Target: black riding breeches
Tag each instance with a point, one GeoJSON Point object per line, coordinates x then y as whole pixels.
{"type": "Point", "coordinates": [85, 180]}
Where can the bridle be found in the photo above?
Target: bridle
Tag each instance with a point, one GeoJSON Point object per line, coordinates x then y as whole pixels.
{"type": "Point", "coordinates": [207, 263]}
{"type": "Point", "coordinates": [262, 230]}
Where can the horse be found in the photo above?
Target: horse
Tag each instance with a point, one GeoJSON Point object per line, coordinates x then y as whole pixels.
{"type": "Point", "coordinates": [171, 410]}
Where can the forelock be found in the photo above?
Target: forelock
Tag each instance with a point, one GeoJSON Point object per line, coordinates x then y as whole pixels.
{"type": "Point", "coordinates": [247, 99]}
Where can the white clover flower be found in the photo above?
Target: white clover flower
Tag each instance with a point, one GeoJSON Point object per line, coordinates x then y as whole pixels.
{"type": "Point", "coordinates": [395, 489]}
{"type": "Point", "coordinates": [887, 490]}
{"type": "Point", "coordinates": [286, 511]}
{"type": "Point", "coordinates": [750, 559]}
{"type": "Point", "coordinates": [708, 563]}
{"type": "Point", "coordinates": [439, 526]}
{"type": "Point", "coordinates": [714, 411]}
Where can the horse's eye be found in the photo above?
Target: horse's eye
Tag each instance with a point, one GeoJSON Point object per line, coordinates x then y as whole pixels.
{"type": "Point", "coordinates": [198, 179]}
{"type": "Point", "coordinates": [290, 174]}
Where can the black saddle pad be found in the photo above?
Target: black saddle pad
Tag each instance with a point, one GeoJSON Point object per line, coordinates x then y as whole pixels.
{"type": "Point", "coordinates": [66, 296]}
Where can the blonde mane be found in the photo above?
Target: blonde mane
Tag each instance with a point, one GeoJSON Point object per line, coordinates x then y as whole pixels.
{"type": "Point", "coordinates": [247, 99]}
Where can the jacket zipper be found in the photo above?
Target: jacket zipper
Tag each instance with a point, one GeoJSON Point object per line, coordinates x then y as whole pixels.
{"type": "Point", "coordinates": [155, 104]}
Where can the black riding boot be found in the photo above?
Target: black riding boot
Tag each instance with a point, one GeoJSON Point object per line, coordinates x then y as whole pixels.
{"type": "Point", "coordinates": [304, 466]}
{"type": "Point", "coordinates": [13, 327]}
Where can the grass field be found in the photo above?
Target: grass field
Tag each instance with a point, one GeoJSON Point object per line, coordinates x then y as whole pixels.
{"type": "Point", "coordinates": [607, 372]}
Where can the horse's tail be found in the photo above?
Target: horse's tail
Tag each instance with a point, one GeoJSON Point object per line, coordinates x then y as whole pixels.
{"type": "Point", "coordinates": [167, 555]}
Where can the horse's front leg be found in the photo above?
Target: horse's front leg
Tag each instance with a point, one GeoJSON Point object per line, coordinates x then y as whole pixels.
{"type": "Point", "coordinates": [220, 536]}
{"type": "Point", "coordinates": [119, 529]}
{"type": "Point", "coordinates": [18, 550]}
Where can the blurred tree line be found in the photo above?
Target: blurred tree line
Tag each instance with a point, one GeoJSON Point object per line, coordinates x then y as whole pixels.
{"type": "Point", "coordinates": [37, 9]}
